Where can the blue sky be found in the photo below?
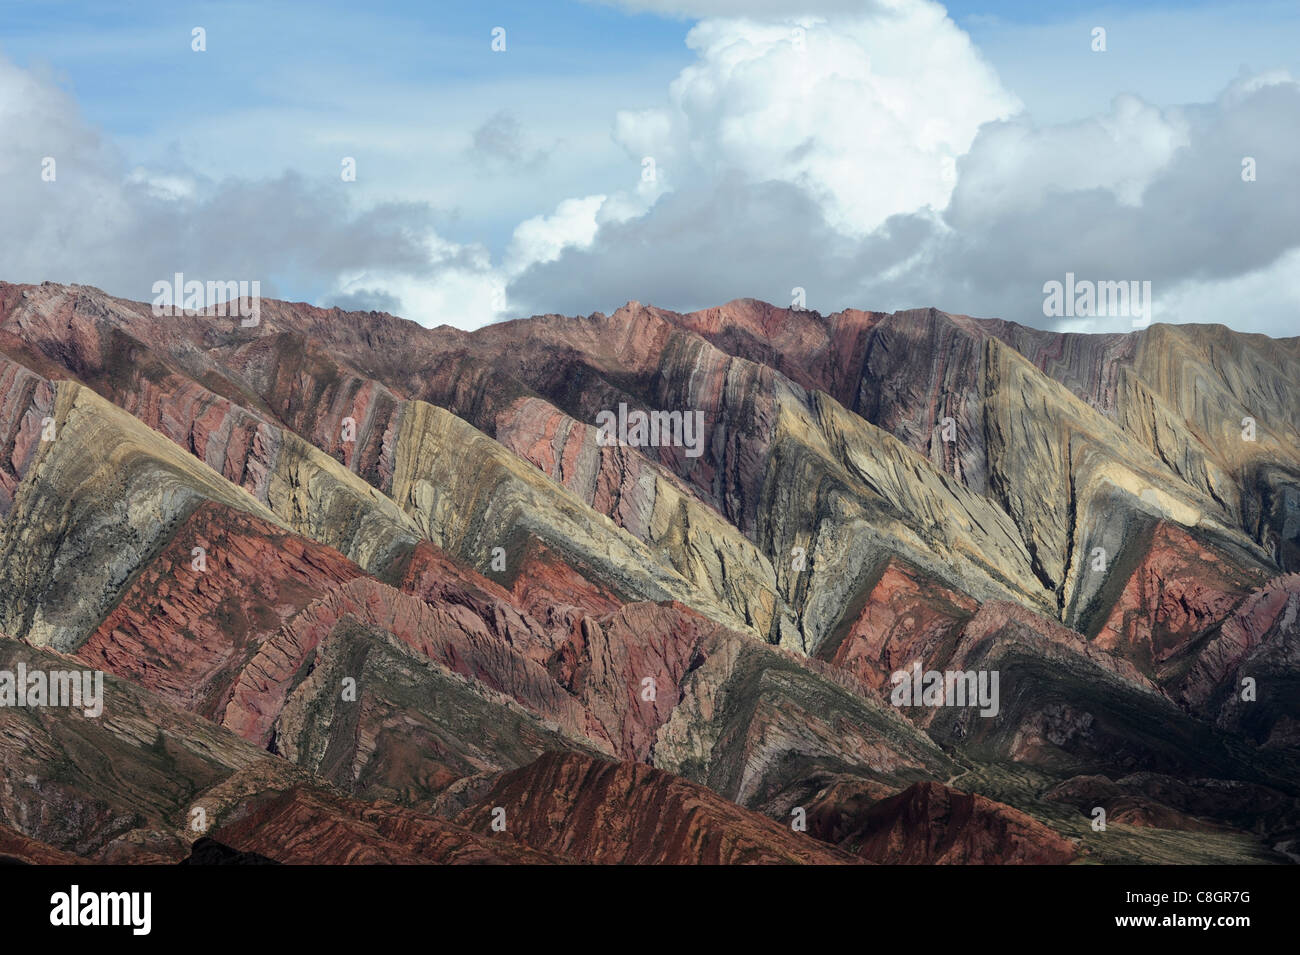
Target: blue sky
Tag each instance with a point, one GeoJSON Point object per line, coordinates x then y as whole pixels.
{"type": "Point", "coordinates": [520, 173]}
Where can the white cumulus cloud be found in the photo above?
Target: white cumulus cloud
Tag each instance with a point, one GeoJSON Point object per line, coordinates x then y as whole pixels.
{"type": "Point", "coordinates": [868, 113]}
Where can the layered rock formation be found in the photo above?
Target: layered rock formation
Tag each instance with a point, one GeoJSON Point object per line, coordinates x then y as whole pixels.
{"type": "Point", "coordinates": [369, 592]}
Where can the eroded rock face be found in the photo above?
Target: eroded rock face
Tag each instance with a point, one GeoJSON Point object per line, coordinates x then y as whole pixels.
{"type": "Point", "coordinates": [626, 668]}
{"type": "Point", "coordinates": [189, 622]}
{"type": "Point", "coordinates": [654, 505]}
{"type": "Point", "coordinates": [381, 722]}
{"type": "Point", "coordinates": [1151, 799]}
{"type": "Point", "coordinates": [17, 849]}
{"type": "Point", "coordinates": [310, 827]}
{"type": "Point", "coordinates": [623, 813]}
{"type": "Point", "coordinates": [1257, 647]}
{"type": "Point", "coordinates": [428, 592]}
{"type": "Point", "coordinates": [763, 728]}
{"type": "Point", "coordinates": [1178, 591]}
{"type": "Point", "coordinates": [120, 787]}
{"type": "Point", "coordinates": [905, 616]}
{"type": "Point", "coordinates": [24, 415]}
{"type": "Point", "coordinates": [931, 824]}
{"type": "Point", "coordinates": [97, 500]}
{"type": "Point", "coordinates": [452, 636]}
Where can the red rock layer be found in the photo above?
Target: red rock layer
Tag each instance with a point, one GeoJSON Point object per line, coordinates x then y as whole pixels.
{"type": "Point", "coordinates": [622, 813]}
{"type": "Point", "coordinates": [431, 575]}
{"type": "Point", "coordinates": [1273, 609]}
{"type": "Point", "coordinates": [450, 634]}
{"type": "Point", "coordinates": [1179, 590]}
{"type": "Point", "coordinates": [930, 824]}
{"type": "Point", "coordinates": [309, 827]}
{"type": "Point", "coordinates": [348, 416]}
{"type": "Point", "coordinates": [186, 633]}
{"type": "Point", "coordinates": [906, 617]}
{"type": "Point", "coordinates": [999, 619]}
{"type": "Point", "coordinates": [626, 669]}
{"type": "Point", "coordinates": [617, 481]}
{"type": "Point", "coordinates": [822, 352]}
{"type": "Point", "coordinates": [552, 590]}
{"type": "Point", "coordinates": [26, 401]}
{"type": "Point", "coordinates": [14, 846]}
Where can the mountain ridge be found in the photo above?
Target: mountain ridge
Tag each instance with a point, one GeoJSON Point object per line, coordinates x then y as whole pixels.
{"type": "Point", "coordinates": [428, 512]}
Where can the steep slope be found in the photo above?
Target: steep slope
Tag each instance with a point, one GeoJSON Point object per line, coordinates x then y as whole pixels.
{"type": "Point", "coordinates": [621, 813]}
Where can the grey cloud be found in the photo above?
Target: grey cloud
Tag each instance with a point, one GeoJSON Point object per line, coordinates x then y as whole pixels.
{"type": "Point", "coordinates": [500, 142]}
{"type": "Point", "coordinates": [701, 246]}
{"type": "Point", "coordinates": [99, 223]}
{"type": "Point", "coordinates": [122, 236]}
{"type": "Point", "coordinates": [365, 300]}
{"type": "Point", "coordinates": [1197, 221]}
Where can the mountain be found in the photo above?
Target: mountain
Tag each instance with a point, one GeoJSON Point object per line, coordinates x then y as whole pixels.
{"type": "Point", "coordinates": [365, 591]}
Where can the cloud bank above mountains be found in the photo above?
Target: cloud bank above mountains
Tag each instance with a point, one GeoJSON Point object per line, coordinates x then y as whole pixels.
{"type": "Point", "coordinates": [868, 155]}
